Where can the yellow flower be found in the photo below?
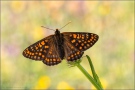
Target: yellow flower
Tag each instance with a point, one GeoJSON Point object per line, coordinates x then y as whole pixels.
{"type": "Point", "coordinates": [18, 6]}
{"type": "Point", "coordinates": [43, 83]}
{"type": "Point", "coordinates": [38, 33]}
{"type": "Point", "coordinates": [64, 85]}
{"type": "Point", "coordinates": [104, 9]}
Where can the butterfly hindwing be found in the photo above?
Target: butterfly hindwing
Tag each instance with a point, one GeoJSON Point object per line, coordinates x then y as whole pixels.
{"type": "Point", "coordinates": [71, 52]}
{"type": "Point", "coordinates": [81, 40]}
{"type": "Point", "coordinates": [52, 57]}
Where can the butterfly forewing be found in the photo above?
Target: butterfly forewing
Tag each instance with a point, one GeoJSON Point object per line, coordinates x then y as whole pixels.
{"type": "Point", "coordinates": [82, 41]}
{"type": "Point", "coordinates": [38, 50]}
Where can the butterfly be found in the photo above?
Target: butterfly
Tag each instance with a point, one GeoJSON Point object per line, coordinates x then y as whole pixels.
{"type": "Point", "coordinates": [53, 49]}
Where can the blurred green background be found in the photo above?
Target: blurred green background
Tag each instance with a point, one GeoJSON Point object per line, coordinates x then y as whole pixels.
{"type": "Point", "coordinates": [112, 55]}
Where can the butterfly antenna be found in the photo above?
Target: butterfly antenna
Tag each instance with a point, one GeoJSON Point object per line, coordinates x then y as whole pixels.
{"type": "Point", "coordinates": [65, 25]}
{"type": "Point", "coordinates": [47, 28]}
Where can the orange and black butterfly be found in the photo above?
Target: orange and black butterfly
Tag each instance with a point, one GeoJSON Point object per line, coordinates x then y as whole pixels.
{"type": "Point", "coordinates": [53, 49]}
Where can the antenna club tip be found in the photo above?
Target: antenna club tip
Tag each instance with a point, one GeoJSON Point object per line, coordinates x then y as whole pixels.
{"type": "Point", "coordinates": [69, 21]}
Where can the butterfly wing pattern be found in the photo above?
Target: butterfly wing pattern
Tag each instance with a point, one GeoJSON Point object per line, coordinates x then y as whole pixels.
{"type": "Point", "coordinates": [54, 48]}
{"type": "Point", "coordinates": [77, 42]}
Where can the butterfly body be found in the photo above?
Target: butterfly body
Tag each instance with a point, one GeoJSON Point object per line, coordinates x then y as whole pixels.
{"type": "Point", "coordinates": [59, 41]}
{"type": "Point", "coordinates": [54, 48]}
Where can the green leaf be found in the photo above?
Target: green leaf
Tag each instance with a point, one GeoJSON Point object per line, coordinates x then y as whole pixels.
{"type": "Point", "coordinates": [95, 76]}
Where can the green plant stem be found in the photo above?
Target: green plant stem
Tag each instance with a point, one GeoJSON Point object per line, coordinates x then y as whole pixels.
{"type": "Point", "coordinates": [88, 76]}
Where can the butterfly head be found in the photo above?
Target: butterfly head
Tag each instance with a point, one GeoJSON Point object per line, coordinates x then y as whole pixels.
{"type": "Point", "coordinates": [57, 32]}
